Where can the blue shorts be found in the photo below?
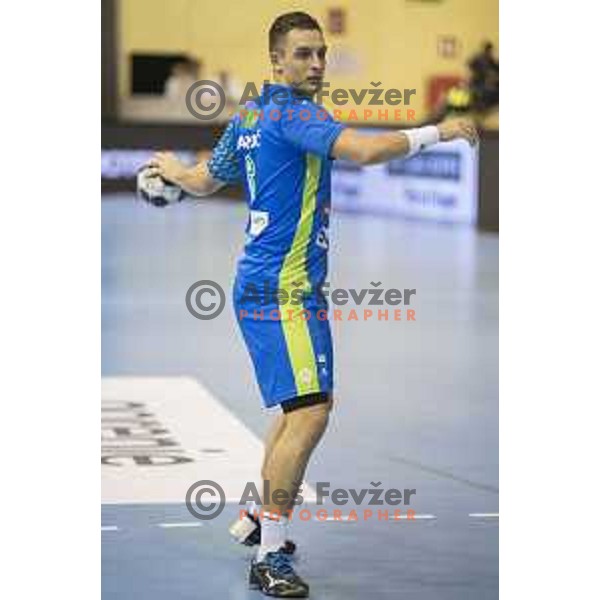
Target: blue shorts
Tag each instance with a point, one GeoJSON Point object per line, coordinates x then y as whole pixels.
{"type": "Point", "coordinates": [292, 351]}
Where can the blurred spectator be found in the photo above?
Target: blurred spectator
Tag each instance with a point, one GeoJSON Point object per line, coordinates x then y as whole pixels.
{"type": "Point", "coordinates": [484, 82]}
{"type": "Point", "coordinates": [457, 100]}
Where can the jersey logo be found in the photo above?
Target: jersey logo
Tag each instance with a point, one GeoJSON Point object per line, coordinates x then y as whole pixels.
{"type": "Point", "coordinates": [250, 177]}
{"type": "Point", "coordinates": [249, 141]}
{"type": "Point", "coordinates": [259, 219]}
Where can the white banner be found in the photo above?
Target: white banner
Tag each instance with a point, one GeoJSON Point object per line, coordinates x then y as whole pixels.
{"type": "Point", "coordinates": [439, 184]}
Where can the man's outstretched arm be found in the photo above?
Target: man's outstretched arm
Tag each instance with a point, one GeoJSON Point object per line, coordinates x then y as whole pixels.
{"type": "Point", "coordinates": [368, 149]}
{"type": "Point", "coordinates": [195, 180]}
{"type": "Point", "coordinates": [206, 176]}
{"type": "Point", "coordinates": [351, 144]}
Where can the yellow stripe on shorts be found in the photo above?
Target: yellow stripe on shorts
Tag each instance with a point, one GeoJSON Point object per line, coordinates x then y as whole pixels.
{"type": "Point", "coordinates": [294, 275]}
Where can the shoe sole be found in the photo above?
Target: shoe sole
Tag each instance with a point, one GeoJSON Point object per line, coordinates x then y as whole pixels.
{"type": "Point", "coordinates": [272, 595]}
{"type": "Point", "coordinates": [255, 585]}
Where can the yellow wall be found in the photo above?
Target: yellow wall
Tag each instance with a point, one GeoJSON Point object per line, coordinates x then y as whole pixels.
{"type": "Point", "coordinates": [396, 40]}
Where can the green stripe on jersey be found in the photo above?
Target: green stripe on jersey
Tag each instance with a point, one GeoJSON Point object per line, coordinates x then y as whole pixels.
{"type": "Point", "coordinates": [294, 275]}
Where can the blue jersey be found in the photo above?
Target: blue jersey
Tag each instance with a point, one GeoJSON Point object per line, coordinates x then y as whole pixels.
{"type": "Point", "coordinates": [279, 148]}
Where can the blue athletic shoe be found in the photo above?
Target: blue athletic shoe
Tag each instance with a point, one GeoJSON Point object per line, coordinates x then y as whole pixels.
{"type": "Point", "coordinates": [275, 576]}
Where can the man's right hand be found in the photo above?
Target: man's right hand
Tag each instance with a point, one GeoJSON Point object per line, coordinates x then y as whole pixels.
{"type": "Point", "coordinates": [458, 128]}
{"type": "Point", "coordinates": [195, 181]}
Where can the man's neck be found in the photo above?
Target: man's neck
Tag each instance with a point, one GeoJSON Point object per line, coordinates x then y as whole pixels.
{"type": "Point", "coordinates": [279, 81]}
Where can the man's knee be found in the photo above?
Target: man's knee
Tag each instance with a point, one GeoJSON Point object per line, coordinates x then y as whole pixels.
{"type": "Point", "coordinates": [309, 414]}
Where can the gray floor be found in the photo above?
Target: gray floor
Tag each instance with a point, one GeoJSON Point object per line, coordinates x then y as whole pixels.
{"type": "Point", "coordinates": [417, 404]}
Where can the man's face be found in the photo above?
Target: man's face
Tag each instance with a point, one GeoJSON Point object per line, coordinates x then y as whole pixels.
{"type": "Point", "coordinates": [300, 60]}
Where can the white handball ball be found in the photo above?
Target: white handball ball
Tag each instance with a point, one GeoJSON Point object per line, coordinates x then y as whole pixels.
{"type": "Point", "coordinates": [155, 190]}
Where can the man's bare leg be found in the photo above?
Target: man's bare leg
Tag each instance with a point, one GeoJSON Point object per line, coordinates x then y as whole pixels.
{"type": "Point", "coordinates": [272, 436]}
{"type": "Point", "coordinates": [286, 463]}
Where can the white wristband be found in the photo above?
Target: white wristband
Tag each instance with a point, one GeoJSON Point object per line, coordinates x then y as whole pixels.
{"type": "Point", "coordinates": [421, 138]}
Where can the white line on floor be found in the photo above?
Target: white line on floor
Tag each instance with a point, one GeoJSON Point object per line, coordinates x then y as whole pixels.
{"type": "Point", "coordinates": [413, 517]}
{"type": "Point", "coordinates": [243, 505]}
{"type": "Point", "coordinates": [341, 519]}
{"type": "Point", "coordinates": [345, 518]}
{"type": "Point", "coordinates": [172, 525]}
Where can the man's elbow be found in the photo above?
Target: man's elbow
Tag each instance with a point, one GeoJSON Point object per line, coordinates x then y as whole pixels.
{"type": "Point", "coordinates": [356, 148]}
{"type": "Point", "coordinates": [201, 192]}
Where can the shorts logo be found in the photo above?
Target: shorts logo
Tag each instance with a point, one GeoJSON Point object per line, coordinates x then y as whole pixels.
{"type": "Point", "coordinates": [322, 239]}
{"type": "Point", "coordinates": [305, 375]}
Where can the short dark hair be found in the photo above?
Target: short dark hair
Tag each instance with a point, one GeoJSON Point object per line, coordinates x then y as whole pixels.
{"type": "Point", "coordinates": [285, 23]}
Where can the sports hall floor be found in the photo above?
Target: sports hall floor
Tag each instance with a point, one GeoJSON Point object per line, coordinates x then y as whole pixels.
{"type": "Point", "coordinates": [417, 407]}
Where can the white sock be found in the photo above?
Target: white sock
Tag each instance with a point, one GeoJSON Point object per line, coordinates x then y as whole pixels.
{"type": "Point", "coordinates": [253, 509]}
{"type": "Point", "coordinates": [272, 535]}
